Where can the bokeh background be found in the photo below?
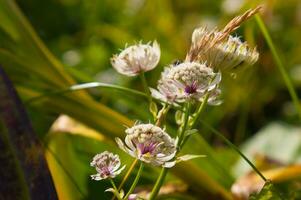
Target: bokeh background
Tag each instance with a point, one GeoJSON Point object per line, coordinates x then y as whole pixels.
{"type": "Point", "coordinates": [257, 113]}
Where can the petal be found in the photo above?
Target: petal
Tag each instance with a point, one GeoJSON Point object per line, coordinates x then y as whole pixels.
{"type": "Point", "coordinates": [96, 177]}
{"type": "Point", "coordinates": [124, 148]}
{"type": "Point", "coordinates": [129, 143]}
{"type": "Point", "coordinates": [169, 164]}
{"type": "Point", "coordinates": [120, 170]}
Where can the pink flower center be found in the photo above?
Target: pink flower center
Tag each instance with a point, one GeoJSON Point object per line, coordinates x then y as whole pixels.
{"type": "Point", "coordinates": [105, 171]}
{"type": "Point", "coordinates": [190, 89]}
{"type": "Point", "coordinates": [146, 148]}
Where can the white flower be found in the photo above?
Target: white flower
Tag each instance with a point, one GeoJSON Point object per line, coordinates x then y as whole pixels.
{"type": "Point", "coordinates": [188, 80]}
{"type": "Point", "coordinates": [137, 58]}
{"type": "Point", "coordinates": [150, 144]}
{"type": "Point", "coordinates": [220, 53]}
{"type": "Point", "coordinates": [107, 166]}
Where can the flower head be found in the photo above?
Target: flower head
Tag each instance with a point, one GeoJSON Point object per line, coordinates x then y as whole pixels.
{"type": "Point", "coordinates": [137, 58]}
{"type": "Point", "coordinates": [107, 166]}
{"type": "Point", "coordinates": [188, 80]}
{"type": "Point", "coordinates": [150, 144]}
{"type": "Point", "coordinates": [219, 49]}
{"type": "Point", "coordinates": [224, 55]}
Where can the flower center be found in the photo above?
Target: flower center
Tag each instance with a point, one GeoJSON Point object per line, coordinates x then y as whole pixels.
{"type": "Point", "coordinates": [190, 89]}
{"type": "Point", "coordinates": [105, 171]}
{"type": "Point", "coordinates": [146, 148]}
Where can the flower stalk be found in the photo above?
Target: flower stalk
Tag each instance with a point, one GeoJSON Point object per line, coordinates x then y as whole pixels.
{"type": "Point", "coordinates": [135, 181]}
{"type": "Point", "coordinates": [115, 188]}
{"type": "Point", "coordinates": [184, 127]}
{"type": "Point", "coordinates": [145, 86]}
{"type": "Point", "coordinates": [127, 175]}
{"type": "Point", "coordinates": [158, 184]}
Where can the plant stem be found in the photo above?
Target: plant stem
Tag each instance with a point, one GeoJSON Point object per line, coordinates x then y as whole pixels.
{"type": "Point", "coordinates": [135, 181]}
{"type": "Point", "coordinates": [115, 188]}
{"type": "Point", "coordinates": [164, 171]}
{"type": "Point", "coordinates": [279, 64]}
{"type": "Point", "coordinates": [235, 148]}
{"type": "Point", "coordinates": [200, 110]}
{"type": "Point", "coordinates": [127, 175]}
{"type": "Point", "coordinates": [158, 184]}
{"type": "Point", "coordinates": [197, 115]}
{"type": "Point", "coordinates": [184, 127]}
{"type": "Point", "coordinates": [145, 86]}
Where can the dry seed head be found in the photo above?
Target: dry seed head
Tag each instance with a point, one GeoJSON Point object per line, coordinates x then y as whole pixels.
{"type": "Point", "coordinates": [219, 49]}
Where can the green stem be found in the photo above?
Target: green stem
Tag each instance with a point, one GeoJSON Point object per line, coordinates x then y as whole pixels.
{"type": "Point", "coordinates": [115, 188]}
{"type": "Point", "coordinates": [164, 171]}
{"type": "Point", "coordinates": [235, 148]}
{"type": "Point", "coordinates": [200, 110]}
{"type": "Point", "coordinates": [197, 115]}
{"type": "Point", "coordinates": [158, 184]}
{"type": "Point", "coordinates": [145, 86]}
{"type": "Point", "coordinates": [127, 175]}
{"type": "Point", "coordinates": [279, 64]}
{"type": "Point", "coordinates": [135, 182]}
{"type": "Point", "coordinates": [184, 127]}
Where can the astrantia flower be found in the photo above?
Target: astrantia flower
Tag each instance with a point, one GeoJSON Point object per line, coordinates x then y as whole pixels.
{"type": "Point", "coordinates": [225, 55]}
{"type": "Point", "coordinates": [188, 80]}
{"type": "Point", "coordinates": [137, 58]}
{"type": "Point", "coordinates": [107, 166]}
{"type": "Point", "coordinates": [150, 144]}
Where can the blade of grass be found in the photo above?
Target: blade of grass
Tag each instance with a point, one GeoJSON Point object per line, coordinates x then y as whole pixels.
{"type": "Point", "coordinates": [279, 64]}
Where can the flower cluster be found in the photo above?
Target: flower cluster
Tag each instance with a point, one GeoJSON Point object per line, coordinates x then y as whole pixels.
{"type": "Point", "coordinates": [107, 165]}
{"type": "Point", "coordinates": [136, 59]}
{"type": "Point", "coordinates": [150, 144]}
{"type": "Point", "coordinates": [188, 80]}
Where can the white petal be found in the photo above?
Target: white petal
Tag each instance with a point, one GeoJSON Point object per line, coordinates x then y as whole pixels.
{"type": "Point", "coordinates": [169, 164]}
{"type": "Point", "coordinates": [96, 177]}
{"type": "Point", "coordinates": [124, 148]}
{"type": "Point", "coordinates": [119, 171]}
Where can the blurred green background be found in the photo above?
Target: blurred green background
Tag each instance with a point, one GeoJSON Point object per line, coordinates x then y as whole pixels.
{"type": "Point", "coordinates": [84, 34]}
